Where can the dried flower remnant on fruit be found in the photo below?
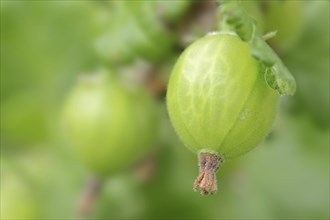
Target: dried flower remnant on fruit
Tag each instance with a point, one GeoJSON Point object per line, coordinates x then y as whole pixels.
{"type": "Point", "coordinates": [208, 166]}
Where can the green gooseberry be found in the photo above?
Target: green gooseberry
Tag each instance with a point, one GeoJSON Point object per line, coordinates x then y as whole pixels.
{"type": "Point", "coordinates": [18, 199]}
{"type": "Point", "coordinates": [219, 102]}
{"type": "Point", "coordinates": [109, 125]}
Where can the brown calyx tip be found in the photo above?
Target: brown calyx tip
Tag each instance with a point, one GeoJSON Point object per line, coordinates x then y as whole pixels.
{"type": "Point", "coordinates": [209, 164]}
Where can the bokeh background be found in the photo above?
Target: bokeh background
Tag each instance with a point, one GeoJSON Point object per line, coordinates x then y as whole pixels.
{"type": "Point", "coordinates": [46, 45]}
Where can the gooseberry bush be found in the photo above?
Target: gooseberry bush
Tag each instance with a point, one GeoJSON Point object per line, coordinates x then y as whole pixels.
{"type": "Point", "coordinates": [203, 72]}
{"type": "Point", "coordinates": [222, 95]}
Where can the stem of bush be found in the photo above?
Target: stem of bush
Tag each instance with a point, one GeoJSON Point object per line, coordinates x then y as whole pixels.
{"type": "Point", "coordinates": [88, 199]}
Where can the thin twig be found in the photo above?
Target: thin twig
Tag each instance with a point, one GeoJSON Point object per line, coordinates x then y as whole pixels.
{"type": "Point", "coordinates": [88, 199]}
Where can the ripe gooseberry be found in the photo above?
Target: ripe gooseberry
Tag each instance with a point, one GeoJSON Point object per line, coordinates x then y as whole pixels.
{"type": "Point", "coordinates": [219, 102]}
{"type": "Point", "coordinates": [109, 126]}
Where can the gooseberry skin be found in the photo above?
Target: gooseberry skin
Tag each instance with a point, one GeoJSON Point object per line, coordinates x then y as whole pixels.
{"type": "Point", "coordinates": [217, 99]}
{"type": "Point", "coordinates": [109, 126]}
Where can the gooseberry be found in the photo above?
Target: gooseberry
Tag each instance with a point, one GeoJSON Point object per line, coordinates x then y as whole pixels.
{"type": "Point", "coordinates": [219, 102]}
{"type": "Point", "coordinates": [19, 199]}
{"type": "Point", "coordinates": [109, 126]}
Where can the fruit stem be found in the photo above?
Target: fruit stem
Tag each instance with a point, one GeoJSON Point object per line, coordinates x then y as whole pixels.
{"type": "Point", "coordinates": [89, 195]}
{"type": "Point", "coordinates": [208, 166]}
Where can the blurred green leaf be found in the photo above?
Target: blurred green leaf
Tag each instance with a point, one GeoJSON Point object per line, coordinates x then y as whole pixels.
{"type": "Point", "coordinates": [135, 30]}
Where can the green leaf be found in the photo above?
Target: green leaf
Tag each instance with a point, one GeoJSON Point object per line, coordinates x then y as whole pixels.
{"type": "Point", "coordinates": [277, 76]}
{"type": "Point", "coordinates": [232, 17]}
{"type": "Point", "coordinates": [262, 52]}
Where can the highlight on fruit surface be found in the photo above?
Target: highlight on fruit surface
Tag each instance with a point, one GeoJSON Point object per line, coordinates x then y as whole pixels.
{"type": "Point", "coordinates": [109, 126]}
{"type": "Point", "coordinates": [219, 102]}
